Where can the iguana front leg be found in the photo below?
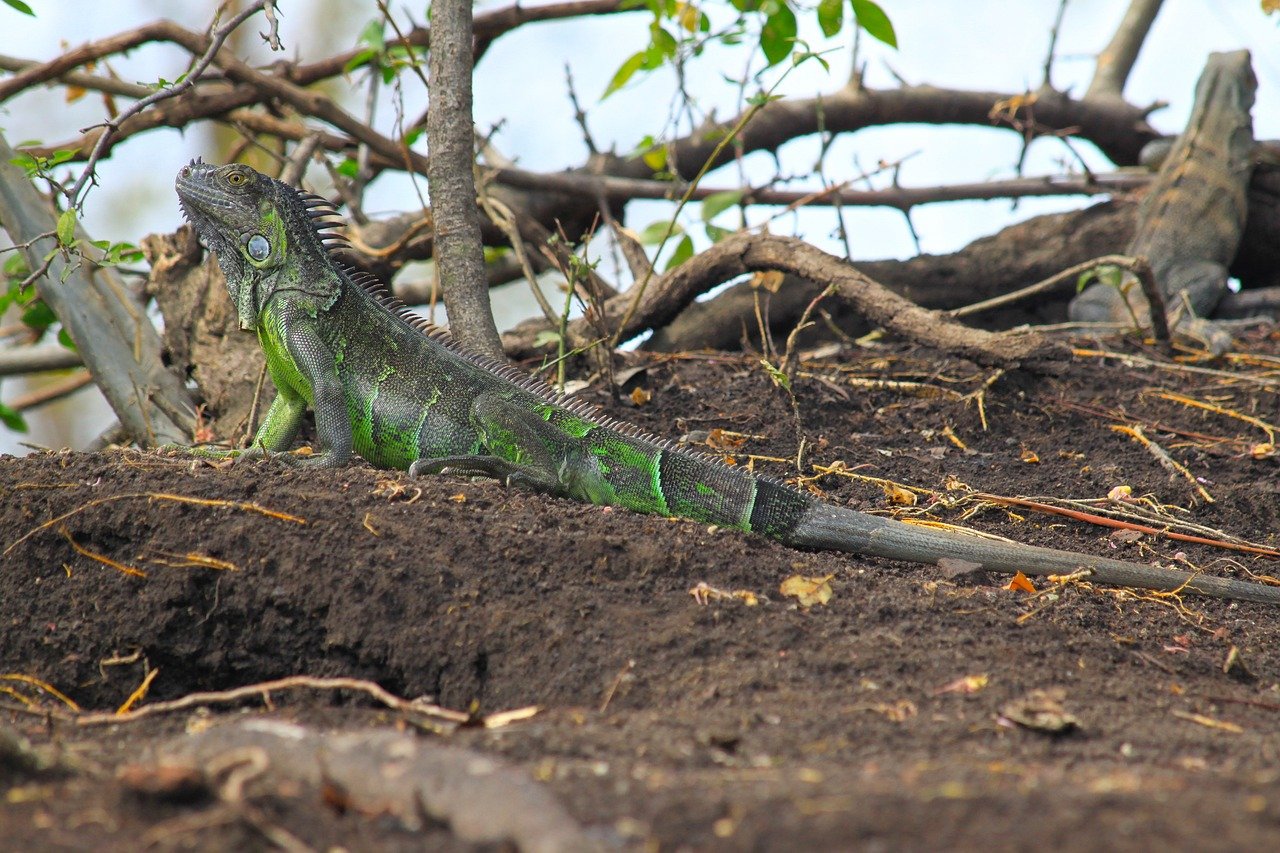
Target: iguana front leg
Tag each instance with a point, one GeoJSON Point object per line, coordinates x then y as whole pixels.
{"type": "Point", "coordinates": [309, 360]}
{"type": "Point", "coordinates": [280, 426]}
{"type": "Point", "coordinates": [274, 435]}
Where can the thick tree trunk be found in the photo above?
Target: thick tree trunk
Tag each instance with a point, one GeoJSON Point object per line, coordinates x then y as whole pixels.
{"type": "Point", "coordinates": [458, 251]}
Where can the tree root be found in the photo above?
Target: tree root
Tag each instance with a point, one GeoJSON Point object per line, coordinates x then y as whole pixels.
{"type": "Point", "coordinates": [480, 799]}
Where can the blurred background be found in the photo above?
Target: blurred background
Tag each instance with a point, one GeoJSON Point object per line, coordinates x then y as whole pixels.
{"type": "Point", "coordinates": [521, 99]}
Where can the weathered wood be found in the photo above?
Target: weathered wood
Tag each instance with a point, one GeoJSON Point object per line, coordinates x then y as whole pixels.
{"type": "Point", "coordinates": [112, 332]}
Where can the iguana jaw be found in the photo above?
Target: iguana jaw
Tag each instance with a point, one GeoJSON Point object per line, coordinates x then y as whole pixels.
{"type": "Point", "coordinates": [217, 214]}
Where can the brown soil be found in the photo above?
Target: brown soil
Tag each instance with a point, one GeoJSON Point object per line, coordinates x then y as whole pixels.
{"type": "Point", "coordinates": [665, 723]}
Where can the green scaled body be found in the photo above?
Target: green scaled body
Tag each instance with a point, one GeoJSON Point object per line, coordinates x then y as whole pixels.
{"type": "Point", "coordinates": [398, 392]}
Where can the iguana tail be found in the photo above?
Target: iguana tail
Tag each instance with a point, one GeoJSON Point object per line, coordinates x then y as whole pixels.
{"type": "Point", "coordinates": [827, 527]}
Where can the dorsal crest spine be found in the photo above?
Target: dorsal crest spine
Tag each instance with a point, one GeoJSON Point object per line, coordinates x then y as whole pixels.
{"type": "Point", "coordinates": [323, 217]}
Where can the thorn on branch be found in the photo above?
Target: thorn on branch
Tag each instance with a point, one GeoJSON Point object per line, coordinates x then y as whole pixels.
{"type": "Point", "coordinates": [272, 35]}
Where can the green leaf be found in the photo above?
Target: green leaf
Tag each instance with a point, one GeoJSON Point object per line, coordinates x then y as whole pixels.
{"type": "Point", "coordinates": [65, 339]}
{"type": "Point", "coordinates": [683, 252]}
{"type": "Point", "coordinates": [662, 41]}
{"type": "Point", "coordinates": [372, 35]}
{"type": "Point", "coordinates": [27, 163]}
{"type": "Point", "coordinates": [361, 58]}
{"type": "Point", "coordinates": [546, 337]}
{"type": "Point", "coordinates": [778, 34]}
{"type": "Point", "coordinates": [759, 99]}
{"type": "Point", "coordinates": [655, 158]}
{"type": "Point", "coordinates": [349, 168]}
{"type": "Point", "coordinates": [830, 16]}
{"type": "Point", "coordinates": [114, 254]}
{"type": "Point", "coordinates": [715, 233]}
{"type": "Point", "coordinates": [1108, 275]}
{"type": "Point", "coordinates": [38, 317]}
{"type": "Point", "coordinates": [26, 10]}
{"type": "Point", "coordinates": [624, 73]}
{"type": "Point", "coordinates": [67, 227]}
{"type": "Point", "coordinates": [875, 22]}
{"type": "Point", "coordinates": [717, 203]}
{"type": "Point", "coordinates": [779, 378]}
{"type": "Point", "coordinates": [12, 418]}
{"type": "Point", "coordinates": [15, 267]}
{"type": "Point", "coordinates": [658, 230]}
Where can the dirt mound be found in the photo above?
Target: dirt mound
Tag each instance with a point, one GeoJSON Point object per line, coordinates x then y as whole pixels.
{"type": "Point", "coordinates": [888, 717]}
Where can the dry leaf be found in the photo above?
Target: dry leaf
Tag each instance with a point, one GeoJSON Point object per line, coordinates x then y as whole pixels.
{"type": "Point", "coordinates": [1008, 107]}
{"type": "Point", "coordinates": [1265, 450]}
{"type": "Point", "coordinates": [723, 439]}
{"type": "Point", "coordinates": [640, 396]}
{"type": "Point", "coordinates": [1029, 456]}
{"type": "Point", "coordinates": [1127, 536]}
{"type": "Point", "coordinates": [894, 712]}
{"type": "Point", "coordinates": [1234, 663]}
{"type": "Point", "coordinates": [704, 593]}
{"type": "Point", "coordinates": [1120, 494]}
{"type": "Point", "coordinates": [1041, 711]}
{"type": "Point", "coordinates": [808, 591]}
{"type": "Point", "coordinates": [770, 281]}
{"type": "Point", "coordinates": [897, 495]}
{"type": "Point", "coordinates": [949, 434]}
{"type": "Point", "coordinates": [1019, 581]}
{"type": "Point", "coordinates": [967, 685]}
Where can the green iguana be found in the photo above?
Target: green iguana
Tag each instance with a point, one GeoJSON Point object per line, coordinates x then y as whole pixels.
{"type": "Point", "coordinates": [388, 386]}
{"type": "Point", "coordinates": [1190, 221]}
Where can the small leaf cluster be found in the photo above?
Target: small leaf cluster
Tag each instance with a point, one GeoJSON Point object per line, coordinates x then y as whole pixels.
{"type": "Point", "coordinates": [680, 29]}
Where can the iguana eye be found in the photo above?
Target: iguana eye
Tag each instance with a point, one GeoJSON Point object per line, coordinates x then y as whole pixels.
{"type": "Point", "coordinates": [236, 178]}
{"type": "Point", "coordinates": [258, 247]}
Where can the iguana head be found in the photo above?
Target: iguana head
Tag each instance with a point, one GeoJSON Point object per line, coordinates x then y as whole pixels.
{"type": "Point", "coordinates": [267, 235]}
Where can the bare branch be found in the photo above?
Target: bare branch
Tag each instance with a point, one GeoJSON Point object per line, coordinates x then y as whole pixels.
{"type": "Point", "coordinates": [744, 253]}
{"type": "Point", "coordinates": [1117, 58]}
{"type": "Point", "coordinates": [216, 39]}
{"type": "Point", "coordinates": [16, 361]}
{"type": "Point", "coordinates": [1053, 44]}
{"type": "Point", "coordinates": [108, 85]}
{"type": "Point", "coordinates": [51, 392]}
{"type": "Point", "coordinates": [1065, 280]}
{"type": "Point", "coordinates": [113, 334]}
{"type": "Point", "coordinates": [898, 197]}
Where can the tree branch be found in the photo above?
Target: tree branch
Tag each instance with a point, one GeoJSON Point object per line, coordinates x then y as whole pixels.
{"type": "Point", "coordinates": [898, 197]}
{"type": "Point", "coordinates": [114, 336]}
{"type": "Point", "coordinates": [16, 361]}
{"type": "Point", "coordinates": [1117, 58]}
{"type": "Point", "coordinates": [745, 253]}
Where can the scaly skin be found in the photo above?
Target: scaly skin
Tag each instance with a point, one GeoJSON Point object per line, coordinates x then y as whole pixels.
{"type": "Point", "coordinates": [400, 394]}
{"type": "Point", "coordinates": [1190, 222]}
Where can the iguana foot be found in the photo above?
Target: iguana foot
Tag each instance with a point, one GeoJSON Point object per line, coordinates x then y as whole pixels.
{"type": "Point", "coordinates": [1215, 336]}
{"type": "Point", "coordinates": [202, 451]}
{"type": "Point", "coordinates": [509, 474]}
{"type": "Point", "coordinates": [258, 453]}
{"type": "Point", "coordinates": [323, 459]}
